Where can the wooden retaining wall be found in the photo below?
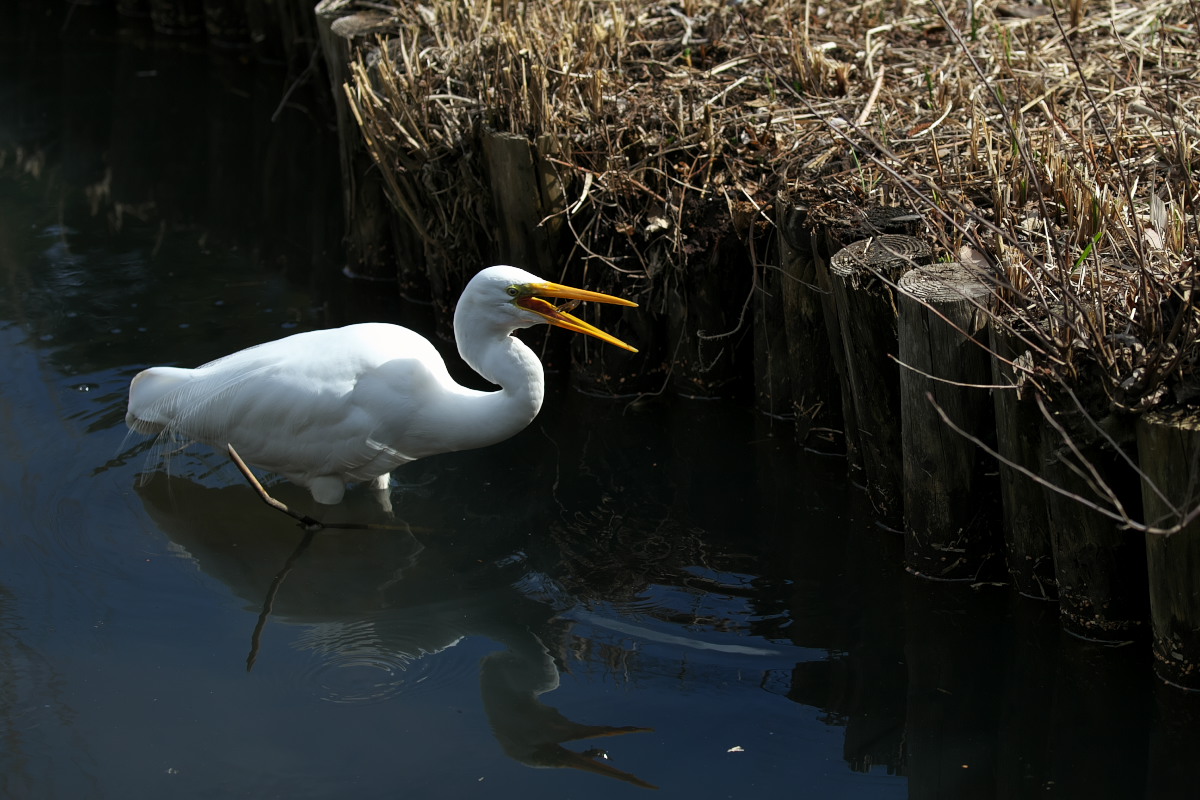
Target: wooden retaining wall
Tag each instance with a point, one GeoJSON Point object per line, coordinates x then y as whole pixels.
{"type": "Point", "coordinates": [890, 360]}
{"type": "Point", "coordinates": [840, 320]}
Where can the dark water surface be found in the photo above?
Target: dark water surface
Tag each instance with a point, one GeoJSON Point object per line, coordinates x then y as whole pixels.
{"type": "Point", "coordinates": [674, 569]}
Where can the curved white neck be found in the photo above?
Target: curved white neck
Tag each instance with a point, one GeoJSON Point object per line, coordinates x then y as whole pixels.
{"type": "Point", "coordinates": [508, 363]}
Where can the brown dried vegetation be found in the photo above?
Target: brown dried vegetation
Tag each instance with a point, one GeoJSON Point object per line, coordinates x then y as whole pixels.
{"type": "Point", "coordinates": [1054, 144]}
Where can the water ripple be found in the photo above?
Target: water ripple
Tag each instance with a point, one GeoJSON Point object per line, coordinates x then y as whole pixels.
{"type": "Point", "coordinates": [351, 663]}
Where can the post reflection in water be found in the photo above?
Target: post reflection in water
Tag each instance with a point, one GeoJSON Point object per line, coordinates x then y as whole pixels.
{"type": "Point", "coordinates": [385, 598]}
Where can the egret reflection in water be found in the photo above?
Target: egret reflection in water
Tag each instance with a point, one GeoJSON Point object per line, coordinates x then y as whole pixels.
{"type": "Point", "coordinates": [385, 599]}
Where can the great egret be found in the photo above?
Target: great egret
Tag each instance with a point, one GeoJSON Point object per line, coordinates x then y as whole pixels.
{"type": "Point", "coordinates": [331, 407]}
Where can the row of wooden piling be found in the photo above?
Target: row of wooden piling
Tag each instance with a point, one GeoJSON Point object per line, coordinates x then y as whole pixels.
{"type": "Point", "coordinates": [854, 330]}
{"type": "Point", "coordinates": [869, 344]}
{"type": "Point", "coordinates": [986, 475]}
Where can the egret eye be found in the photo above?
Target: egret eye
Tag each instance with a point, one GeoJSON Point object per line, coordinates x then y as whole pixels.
{"type": "Point", "coordinates": [513, 291]}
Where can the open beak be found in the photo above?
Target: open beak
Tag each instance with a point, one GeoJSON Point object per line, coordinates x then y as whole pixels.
{"type": "Point", "coordinates": [531, 299]}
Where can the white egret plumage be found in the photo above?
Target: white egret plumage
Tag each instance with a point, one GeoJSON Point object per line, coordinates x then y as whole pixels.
{"type": "Point", "coordinates": [327, 408]}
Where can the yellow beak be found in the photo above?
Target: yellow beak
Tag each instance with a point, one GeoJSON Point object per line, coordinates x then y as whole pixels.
{"type": "Point", "coordinates": [531, 300]}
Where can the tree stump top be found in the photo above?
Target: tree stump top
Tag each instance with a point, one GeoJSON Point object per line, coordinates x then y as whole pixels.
{"type": "Point", "coordinates": [945, 282]}
{"type": "Point", "coordinates": [888, 255]}
{"type": "Point", "coordinates": [359, 24]}
{"type": "Point", "coordinates": [849, 221]}
{"type": "Point", "coordinates": [1185, 417]}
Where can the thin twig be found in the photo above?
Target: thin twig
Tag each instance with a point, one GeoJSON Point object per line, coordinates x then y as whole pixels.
{"type": "Point", "coordinates": [1120, 518]}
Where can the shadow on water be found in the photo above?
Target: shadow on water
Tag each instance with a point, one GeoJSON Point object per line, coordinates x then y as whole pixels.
{"type": "Point", "coordinates": [672, 571]}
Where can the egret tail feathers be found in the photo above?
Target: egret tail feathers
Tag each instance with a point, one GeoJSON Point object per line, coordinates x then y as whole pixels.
{"type": "Point", "coordinates": [180, 406]}
{"type": "Point", "coordinates": [150, 409]}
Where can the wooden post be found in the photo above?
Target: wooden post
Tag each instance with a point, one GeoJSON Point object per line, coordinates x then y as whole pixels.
{"type": "Point", "coordinates": [831, 226]}
{"type": "Point", "coordinates": [709, 337]}
{"type": "Point", "coordinates": [1027, 539]}
{"type": "Point", "coordinates": [773, 368]}
{"type": "Point", "coordinates": [824, 245]}
{"type": "Point", "coordinates": [862, 276]}
{"type": "Point", "coordinates": [809, 324]}
{"type": "Point", "coordinates": [1169, 454]}
{"type": "Point", "coordinates": [527, 201]}
{"type": "Point", "coordinates": [949, 482]}
{"type": "Point", "coordinates": [1099, 566]}
{"type": "Point", "coordinates": [366, 210]}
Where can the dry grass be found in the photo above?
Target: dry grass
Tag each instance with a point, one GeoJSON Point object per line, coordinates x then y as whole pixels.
{"type": "Point", "coordinates": [664, 118]}
{"type": "Point", "coordinates": [1064, 154]}
{"type": "Point", "coordinates": [1057, 144]}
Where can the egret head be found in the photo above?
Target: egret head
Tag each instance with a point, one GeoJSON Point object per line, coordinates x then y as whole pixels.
{"type": "Point", "coordinates": [519, 299]}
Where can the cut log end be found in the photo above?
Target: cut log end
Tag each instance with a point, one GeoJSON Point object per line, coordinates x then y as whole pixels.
{"type": "Point", "coordinates": [889, 255]}
{"type": "Point", "coordinates": [945, 282]}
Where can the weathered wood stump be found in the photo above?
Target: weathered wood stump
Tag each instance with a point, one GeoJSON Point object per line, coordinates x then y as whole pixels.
{"type": "Point", "coordinates": [773, 369]}
{"type": "Point", "coordinates": [708, 285]}
{"type": "Point", "coordinates": [949, 482]}
{"type": "Point", "coordinates": [831, 226]}
{"type": "Point", "coordinates": [862, 276]}
{"type": "Point", "coordinates": [528, 201]}
{"type": "Point", "coordinates": [809, 325]}
{"type": "Point", "coordinates": [1100, 567]}
{"type": "Point", "coordinates": [366, 210]}
{"type": "Point", "coordinates": [1027, 539]}
{"type": "Point", "coordinates": [1169, 455]}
